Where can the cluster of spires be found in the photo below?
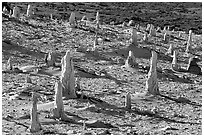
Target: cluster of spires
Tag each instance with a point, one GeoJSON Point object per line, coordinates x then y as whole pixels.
{"type": "Point", "coordinates": [166, 37]}
{"type": "Point", "coordinates": [150, 28]}
{"type": "Point", "coordinates": [63, 87]}
{"type": "Point", "coordinates": [66, 85]}
{"type": "Point", "coordinates": [16, 11]}
{"type": "Point", "coordinates": [151, 83]}
{"type": "Point", "coordinates": [171, 51]}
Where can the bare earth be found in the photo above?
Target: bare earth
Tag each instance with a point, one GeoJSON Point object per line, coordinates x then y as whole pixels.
{"type": "Point", "coordinates": [178, 111]}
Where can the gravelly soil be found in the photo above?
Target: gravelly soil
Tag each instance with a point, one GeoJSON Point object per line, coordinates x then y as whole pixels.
{"type": "Point", "coordinates": [161, 115]}
{"type": "Point", "coordinates": [181, 16]}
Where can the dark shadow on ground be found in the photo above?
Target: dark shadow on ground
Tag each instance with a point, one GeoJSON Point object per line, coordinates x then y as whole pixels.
{"type": "Point", "coordinates": [51, 132]}
{"type": "Point", "coordinates": [8, 54]}
{"type": "Point", "coordinates": [8, 45]}
{"type": "Point", "coordinates": [107, 32]}
{"type": "Point", "coordinates": [102, 106]}
{"type": "Point", "coordinates": [73, 118]}
{"type": "Point", "coordinates": [81, 72]}
{"type": "Point", "coordinates": [139, 52]}
{"type": "Point", "coordinates": [26, 23]}
{"type": "Point", "coordinates": [16, 122]}
{"type": "Point", "coordinates": [182, 100]}
{"type": "Point", "coordinates": [95, 55]}
{"type": "Point", "coordinates": [173, 37]}
{"type": "Point", "coordinates": [151, 114]}
{"type": "Point", "coordinates": [164, 76]}
{"type": "Point", "coordinates": [126, 125]}
{"type": "Point", "coordinates": [173, 77]}
{"type": "Point", "coordinates": [108, 109]}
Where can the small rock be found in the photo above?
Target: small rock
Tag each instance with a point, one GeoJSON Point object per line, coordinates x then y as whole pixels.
{"type": "Point", "coordinates": [71, 132]}
{"type": "Point", "coordinates": [9, 116]}
{"type": "Point", "coordinates": [193, 67]}
{"type": "Point", "coordinates": [106, 132]}
{"type": "Point", "coordinates": [88, 133]}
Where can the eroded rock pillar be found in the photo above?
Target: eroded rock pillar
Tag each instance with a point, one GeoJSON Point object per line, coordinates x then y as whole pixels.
{"type": "Point", "coordinates": [72, 20]}
{"type": "Point", "coordinates": [35, 124]}
{"type": "Point", "coordinates": [67, 77]}
{"type": "Point", "coordinates": [152, 83]}
{"type": "Point", "coordinates": [134, 37]}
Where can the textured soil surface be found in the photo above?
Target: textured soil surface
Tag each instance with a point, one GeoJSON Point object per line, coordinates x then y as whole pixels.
{"type": "Point", "coordinates": [181, 16]}
{"type": "Point", "coordinates": [103, 79]}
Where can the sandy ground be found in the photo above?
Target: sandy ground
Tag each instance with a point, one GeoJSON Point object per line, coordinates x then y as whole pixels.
{"type": "Point", "coordinates": [177, 111]}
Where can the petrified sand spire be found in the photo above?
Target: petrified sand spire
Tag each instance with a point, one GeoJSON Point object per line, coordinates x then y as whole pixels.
{"type": "Point", "coordinates": [9, 64]}
{"type": "Point", "coordinates": [164, 30]}
{"type": "Point", "coordinates": [173, 30]}
{"type": "Point", "coordinates": [145, 38]}
{"type": "Point", "coordinates": [97, 16]}
{"type": "Point", "coordinates": [16, 12]}
{"type": "Point", "coordinates": [72, 20]}
{"type": "Point", "coordinates": [28, 79]}
{"type": "Point", "coordinates": [97, 20]}
{"type": "Point", "coordinates": [58, 103]}
{"type": "Point", "coordinates": [124, 24]}
{"type": "Point", "coordinates": [168, 28]}
{"type": "Point", "coordinates": [158, 29]}
{"type": "Point", "coordinates": [174, 64]}
{"type": "Point", "coordinates": [35, 124]}
{"type": "Point", "coordinates": [5, 10]}
{"type": "Point", "coordinates": [95, 41]}
{"type": "Point", "coordinates": [134, 37]}
{"type": "Point", "coordinates": [78, 86]}
{"type": "Point", "coordinates": [130, 23]}
{"type": "Point", "coordinates": [29, 10]}
{"type": "Point", "coordinates": [137, 26]}
{"type": "Point", "coordinates": [166, 38]}
{"type": "Point", "coordinates": [128, 101]}
{"type": "Point", "coordinates": [180, 34]}
{"type": "Point", "coordinates": [148, 27]}
{"type": "Point", "coordinates": [67, 77]}
{"type": "Point", "coordinates": [10, 13]}
{"type": "Point", "coordinates": [154, 47]}
{"type": "Point", "coordinates": [152, 83]}
{"type": "Point", "coordinates": [131, 61]}
{"type": "Point", "coordinates": [152, 31]}
{"type": "Point", "coordinates": [51, 17]}
{"type": "Point", "coordinates": [189, 41]}
{"type": "Point", "coordinates": [50, 61]}
{"type": "Point", "coordinates": [58, 111]}
{"type": "Point", "coordinates": [83, 18]}
{"type": "Point", "coordinates": [170, 50]}
{"type": "Point", "coordinates": [112, 23]}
